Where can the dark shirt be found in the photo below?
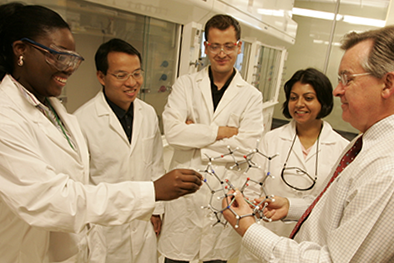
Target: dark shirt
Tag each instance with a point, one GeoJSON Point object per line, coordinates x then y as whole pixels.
{"type": "Point", "coordinates": [218, 94]}
{"type": "Point", "coordinates": [125, 117]}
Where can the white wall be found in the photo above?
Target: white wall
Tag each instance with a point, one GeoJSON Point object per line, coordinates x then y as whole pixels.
{"type": "Point", "coordinates": [83, 85]}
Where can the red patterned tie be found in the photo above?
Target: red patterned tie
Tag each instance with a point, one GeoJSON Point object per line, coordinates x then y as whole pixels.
{"type": "Point", "coordinates": [346, 159]}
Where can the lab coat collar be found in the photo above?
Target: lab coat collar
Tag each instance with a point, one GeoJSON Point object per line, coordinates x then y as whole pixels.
{"type": "Point", "coordinates": [325, 138]}
{"type": "Point", "coordinates": [72, 127]}
{"type": "Point", "coordinates": [325, 135]}
{"type": "Point", "coordinates": [205, 86]}
{"type": "Point", "coordinates": [137, 123]}
{"type": "Point", "coordinates": [34, 114]}
{"type": "Point", "coordinates": [103, 109]}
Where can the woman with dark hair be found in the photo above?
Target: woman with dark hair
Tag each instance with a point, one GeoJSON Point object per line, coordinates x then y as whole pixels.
{"type": "Point", "coordinates": [306, 148]}
{"type": "Point", "coordinates": [48, 212]}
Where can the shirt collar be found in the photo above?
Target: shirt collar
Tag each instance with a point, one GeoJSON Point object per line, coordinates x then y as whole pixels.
{"type": "Point", "coordinates": [227, 82]}
{"type": "Point", "coordinates": [119, 112]}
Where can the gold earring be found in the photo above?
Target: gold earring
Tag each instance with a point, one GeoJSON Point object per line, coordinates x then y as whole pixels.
{"type": "Point", "coordinates": [20, 61]}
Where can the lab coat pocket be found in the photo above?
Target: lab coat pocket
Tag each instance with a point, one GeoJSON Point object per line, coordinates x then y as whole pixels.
{"type": "Point", "coordinates": [233, 121]}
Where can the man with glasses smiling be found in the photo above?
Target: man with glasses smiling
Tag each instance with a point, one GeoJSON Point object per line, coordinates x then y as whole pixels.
{"type": "Point", "coordinates": [123, 139]}
{"type": "Point", "coordinates": [351, 220]}
{"type": "Point", "coordinates": [206, 112]}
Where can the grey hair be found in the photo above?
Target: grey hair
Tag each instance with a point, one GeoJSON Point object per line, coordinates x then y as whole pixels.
{"type": "Point", "coordinates": [381, 58]}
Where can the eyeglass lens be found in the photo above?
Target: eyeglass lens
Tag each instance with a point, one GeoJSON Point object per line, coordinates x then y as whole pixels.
{"type": "Point", "coordinates": [226, 48]}
{"type": "Point", "coordinates": [63, 62]}
{"type": "Point", "coordinates": [137, 75]}
{"type": "Point", "coordinates": [343, 78]}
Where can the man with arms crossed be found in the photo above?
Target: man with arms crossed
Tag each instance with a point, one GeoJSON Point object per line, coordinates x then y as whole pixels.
{"type": "Point", "coordinates": [206, 112]}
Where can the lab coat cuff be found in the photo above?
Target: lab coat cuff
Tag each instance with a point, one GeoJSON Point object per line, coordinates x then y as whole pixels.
{"type": "Point", "coordinates": [296, 209]}
{"type": "Point", "coordinates": [147, 194]}
{"type": "Point", "coordinates": [212, 138]}
{"type": "Point", "coordinates": [214, 132]}
{"type": "Point", "coordinates": [159, 208]}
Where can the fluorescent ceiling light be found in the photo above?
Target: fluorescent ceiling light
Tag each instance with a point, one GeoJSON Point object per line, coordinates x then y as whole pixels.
{"type": "Point", "coordinates": [345, 18]}
{"type": "Point", "coordinates": [315, 14]}
{"type": "Point", "coordinates": [271, 12]}
{"type": "Point", "coordinates": [364, 21]}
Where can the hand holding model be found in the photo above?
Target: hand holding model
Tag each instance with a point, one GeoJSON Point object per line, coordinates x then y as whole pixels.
{"type": "Point", "coordinates": [277, 208]}
{"type": "Point", "coordinates": [240, 207]}
{"type": "Point", "coordinates": [177, 183]}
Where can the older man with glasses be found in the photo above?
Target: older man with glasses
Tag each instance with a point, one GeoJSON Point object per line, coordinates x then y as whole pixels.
{"type": "Point", "coordinates": [351, 219]}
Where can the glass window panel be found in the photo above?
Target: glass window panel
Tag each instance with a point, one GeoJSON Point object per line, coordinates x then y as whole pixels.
{"type": "Point", "coordinates": [160, 57]}
{"type": "Point", "coordinates": [311, 45]}
{"type": "Point", "coordinates": [242, 61]}
{"type": "Point", "coordinates": [265, 72]}
{"type": "Point", "coordinates": [155, 39]}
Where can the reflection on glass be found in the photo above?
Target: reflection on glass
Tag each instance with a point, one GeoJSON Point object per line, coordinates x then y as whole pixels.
{"type": "Point", "coordinates": [155, 39]}
{"type": "Point", "coordinates": [265, 73]}
{"type": "Point", "coordinates": [241, 64]}
{"type": "Point", "coordinates": [159, 62]}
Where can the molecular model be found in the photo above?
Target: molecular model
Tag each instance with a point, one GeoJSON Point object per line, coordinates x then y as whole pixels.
{"type": "Point", "coordinates": [226, 186]}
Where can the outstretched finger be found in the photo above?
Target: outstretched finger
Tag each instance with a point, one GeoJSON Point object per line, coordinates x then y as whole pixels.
{"type": "Point", "coordinates": [190, 180]}
{"type": "Point", "coordinates": [190, 174]}
{"type": "Point", "coordinates": [189, 186]}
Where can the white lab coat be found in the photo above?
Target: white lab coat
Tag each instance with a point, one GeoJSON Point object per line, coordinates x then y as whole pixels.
{"type": "Point", "coordinates": [113, 159]}
{"type": "Point", "coordinates": [187, 229]}
{"type": "Point", "coordinates": [46, 208]}
{"type": "Point", "coordinates": [278, 141]}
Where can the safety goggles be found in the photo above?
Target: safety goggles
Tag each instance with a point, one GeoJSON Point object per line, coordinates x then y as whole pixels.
{"type": "Point", "coordinates": [227, 48]}
{"type": "Point", "coordinates": [57, 57]}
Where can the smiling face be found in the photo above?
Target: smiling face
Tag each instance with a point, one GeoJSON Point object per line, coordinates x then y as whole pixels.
{"type": "Point", "coordinates": [222, 63]}
{"type": "Point", "coordinates": [303, 105]}
{"type": "Point", "coordinates": [361, 96]}
{"type": "Point", "coordinates": [36, 75]}
{"type": "Point", "coordinates": [122, 93]}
